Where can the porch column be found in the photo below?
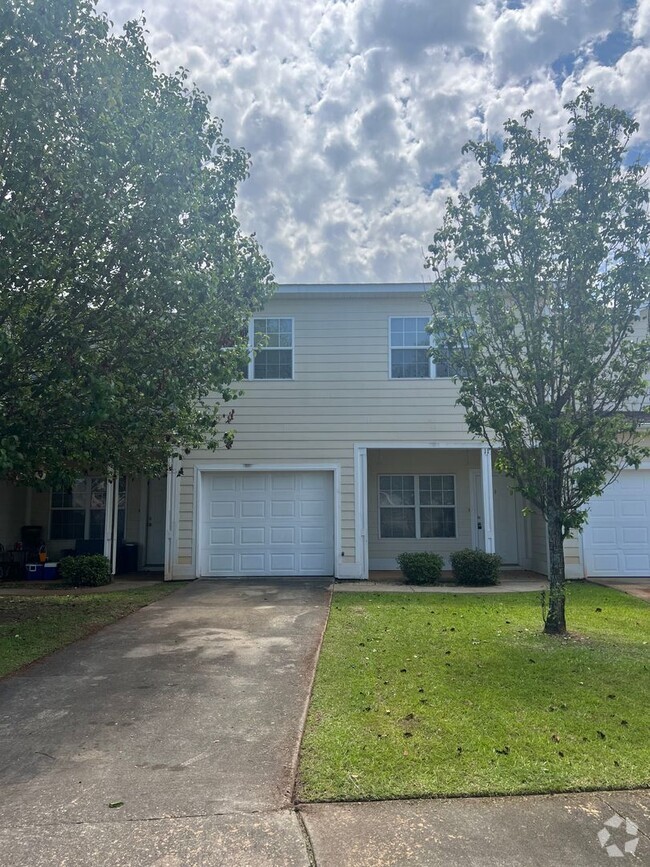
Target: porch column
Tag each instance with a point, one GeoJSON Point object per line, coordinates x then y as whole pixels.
{"type": "Point", "coordinates": [116, 509]}
{"type": "Point", "coordinates": [488, 499]}
{"type": "Point", "coordinates": [108, 521]}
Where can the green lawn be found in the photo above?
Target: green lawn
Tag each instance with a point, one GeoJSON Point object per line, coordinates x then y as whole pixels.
{"type": "Point", "coordinates": [33, 626]}
{"type": "Point", "coordinates": [442, 695]}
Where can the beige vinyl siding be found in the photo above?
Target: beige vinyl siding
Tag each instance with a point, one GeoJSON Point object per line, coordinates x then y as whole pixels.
{"type": "Point", "coordinates": [539, 558]}
{"type": "Point", "coordinates": [341, 394]}
{"type": "Point", "coordinates": [13, 501]}
{"type": "Point", "coordinates": [573, 557]}
{"type": "Point", "coordinates": [420, 462]}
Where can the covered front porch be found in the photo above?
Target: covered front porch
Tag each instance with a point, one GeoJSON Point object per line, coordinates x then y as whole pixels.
{"type": "Point", "coordinates": [443, 498]}
{"type": "Point", "coordinates": [124, 519]}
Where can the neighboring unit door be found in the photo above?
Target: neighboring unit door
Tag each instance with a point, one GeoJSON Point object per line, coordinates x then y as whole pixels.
{"type": "Point", "coordinates": [616, 538]}
{"type": "Point", "coordinates": [507, 517]}
{"type": "Point", "coordinates": [156, 508]}
{"type": "Point", "coordinates": [267, 523]}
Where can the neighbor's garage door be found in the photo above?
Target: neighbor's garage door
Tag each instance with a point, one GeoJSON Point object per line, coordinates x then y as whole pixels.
{"type": "Point", "coordinates": [267, 523]}
{"type": "Point", "coordinates": [617, 536]}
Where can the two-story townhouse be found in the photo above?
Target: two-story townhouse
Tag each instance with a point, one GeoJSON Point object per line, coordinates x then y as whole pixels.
{"type": "Point", "coordinates": [349, 449]}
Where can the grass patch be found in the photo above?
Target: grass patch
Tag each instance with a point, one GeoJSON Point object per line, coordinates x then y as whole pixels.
{"type": "Point", "coordinates": [420, 695]}
{"type": "Point", "coordinates": [33, 626]}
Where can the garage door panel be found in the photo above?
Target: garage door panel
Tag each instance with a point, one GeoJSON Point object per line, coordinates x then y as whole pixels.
{"type": "Point", "coordinates": [309, 563]}
{"type": "Point", "coordinates": [267, 523]}
{"type": "Point", "coordinates": [253, 482]}
{"type": "Point", "coordinates": [312, 508]}
{"type": "Point", "coordinates": [633, 509]}
{"type": "Point", "coordinates": [313, 536]}
{"type": "Point", "coordinates": [283, 482]}
{"type": "Point", "coordinates": [252, 535]}
{"type": "Point", "coordinates": [218, 563]}
{"type": "Point", "coordinates": [221, 536]}
{"type": "Point", "coordinates": [252, 563]}
{"type": "Point", "coordinates": [636, 563]}
{"type": "Point", "coordinates": [283, 536]}
{"type": "Point", "coordinates": [606, 538]}
{"type": "Point", "coordinates": [283, 564]}
{"type": "Point", "coordinates": [617, 536]}
{"type": "Point", "coordinates": [634, 536]}
{"type": "Point", "coordinates": [222, 482]}
{"type": "Point", "coordinates": [283, 509]}
{"type": "Point", "coordinates": [224, 509]}
{"type": "Point", "coordinates": [252, 508]}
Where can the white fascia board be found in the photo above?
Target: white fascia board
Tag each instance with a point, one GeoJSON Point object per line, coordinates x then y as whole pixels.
{"type": "Point", "coordinates": [351, 288]}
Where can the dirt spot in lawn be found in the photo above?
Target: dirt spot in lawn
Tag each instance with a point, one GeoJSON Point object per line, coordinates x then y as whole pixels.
{"type": "Point", "coordinates": [18, 611]}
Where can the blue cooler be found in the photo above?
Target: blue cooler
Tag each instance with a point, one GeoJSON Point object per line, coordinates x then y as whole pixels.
{"type": "Point", "coordinates": [34, 571]}
{"type": "Point", "coordinates": [50, 571]}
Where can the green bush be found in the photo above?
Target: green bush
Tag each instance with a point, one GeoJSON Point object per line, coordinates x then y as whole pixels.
{"type": "Point", "coordinates": [422, 567]}
{"type": "Point", "coordinates": [86, 570]}
{"type": "Point", "coordinates": [474, 568]}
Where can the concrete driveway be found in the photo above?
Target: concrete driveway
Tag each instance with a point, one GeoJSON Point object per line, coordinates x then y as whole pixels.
{"type": "Point", "coordinates": [185, 716]}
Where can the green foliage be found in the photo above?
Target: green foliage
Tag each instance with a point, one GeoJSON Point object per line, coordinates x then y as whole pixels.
{"type": "Point", "coordinates": [421, 567]}
{"type": "Point", "coordinates": [538, 277]}
{"type": "Point", "coordinates": [474, 568]}
{"type": "Point", "coordinates": [86, 570]}
{"type": "Point", "coordinates": [125, 281]}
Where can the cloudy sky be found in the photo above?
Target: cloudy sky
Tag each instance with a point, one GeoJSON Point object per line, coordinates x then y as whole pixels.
{"type": "Point", "coordinates": [355, 111]}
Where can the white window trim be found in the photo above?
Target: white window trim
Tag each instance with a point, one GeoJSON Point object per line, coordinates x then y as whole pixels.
{"type": "Point", "coordinates": [251, 345]}
{"type": "Point", "coordinates": [87, 508]}
{"type": "Point", "coordinates": [417, 507]}
{"type": "Point", "coordinates": [433, 368]}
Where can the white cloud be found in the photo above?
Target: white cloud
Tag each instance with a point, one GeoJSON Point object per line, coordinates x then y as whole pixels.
{"type": "Point", "coordinates": [355, 111]}
{"type": "Point", "coordinates": [539, 32]}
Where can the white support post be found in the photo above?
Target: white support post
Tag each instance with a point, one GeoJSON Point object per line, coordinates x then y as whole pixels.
{"type": "Point", "coordinates": [488, 499]}
{"type": "Point", "coordinates": [116, 509]}
{"type": "Point", "coordinates": [170, 518]}
{"type": "Point", "coordinates": [108, 521]}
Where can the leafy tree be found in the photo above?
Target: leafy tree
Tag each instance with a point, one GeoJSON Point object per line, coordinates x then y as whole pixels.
{"type": "Point", "coordinates": [539, 276]}
{"type": "Point", "coordinates": [125, 280]}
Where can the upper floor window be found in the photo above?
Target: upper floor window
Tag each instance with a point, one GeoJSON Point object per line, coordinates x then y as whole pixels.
{"type": "Point", "coordinates": [409, 350]}
{"type": "Point", "coordinates": [274, 360]}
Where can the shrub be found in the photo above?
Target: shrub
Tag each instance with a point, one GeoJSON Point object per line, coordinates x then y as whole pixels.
{"type": "Point", "coordinates": [422, 567]}
{"type": "Point", "coordinates": [475, 568]}
{"type": "Point", "coordinates": [86, 570]}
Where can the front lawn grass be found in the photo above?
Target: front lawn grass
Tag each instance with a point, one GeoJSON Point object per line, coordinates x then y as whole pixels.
{"type": "Point", "coordinates": [420, 695]}
{"type": "Point", "coordinates": [33, 626]}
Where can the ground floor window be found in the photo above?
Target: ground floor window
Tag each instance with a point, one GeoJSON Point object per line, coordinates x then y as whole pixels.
{"type": "Point", "coordinates": [417, 507]}
{"type": "Point", "coordinates": [79, 512]}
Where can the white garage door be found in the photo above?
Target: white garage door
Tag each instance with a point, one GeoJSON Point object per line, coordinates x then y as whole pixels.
{"type": "Point", "coordinates": [617, 537]}
{"type": "Point", "coordinates": [267, 523]}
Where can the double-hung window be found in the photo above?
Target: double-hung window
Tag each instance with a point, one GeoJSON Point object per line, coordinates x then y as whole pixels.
{"type": "Point", "coordinates": [417, 507]}
{"type": "Point", "coordinates": [80, 511]}
{"type": "Point", "coordinates": [410, 343]}
{"type": "Point", "coordinates": [274, 357]}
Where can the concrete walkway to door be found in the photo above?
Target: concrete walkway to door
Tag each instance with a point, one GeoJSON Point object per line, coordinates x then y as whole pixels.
{"type": "Point", "coordinates": [169, 738]}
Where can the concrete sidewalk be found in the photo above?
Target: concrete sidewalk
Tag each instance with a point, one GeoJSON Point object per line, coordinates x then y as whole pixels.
{"type": "Point", "coordinates": [185, 716]}
{"type": "Point", "coordinates": [533, 831]}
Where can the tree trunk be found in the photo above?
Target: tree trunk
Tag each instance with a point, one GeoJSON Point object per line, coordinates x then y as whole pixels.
{"type": "Point", "coordinates": [555, 623]}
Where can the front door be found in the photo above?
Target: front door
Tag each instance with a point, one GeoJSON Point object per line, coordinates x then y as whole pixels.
{"type": "Point", "coordinates": [156, 507]}
{"type": "Point", "coordinates": [507, 514]}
